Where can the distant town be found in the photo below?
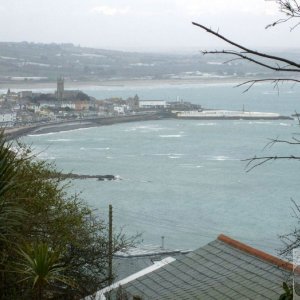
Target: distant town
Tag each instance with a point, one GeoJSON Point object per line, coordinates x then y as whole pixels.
{"type": "Point", "coordinates": [27, 107]}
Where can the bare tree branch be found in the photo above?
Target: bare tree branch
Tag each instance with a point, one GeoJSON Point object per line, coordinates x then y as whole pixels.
{"type": "Point", "coordinates": [278, 22]}
{"type": "Point", "coordinates": [291, 240]}
{"type": "Point", "coordinates": [245, 57]}
{"type": "Point", "coordinates": [258, 161]}
{"type": "Point", "coordinates": [276, 141]}
{"type": "Point", "coordinates": [250, 51]}
{"type": "Point", "coordinates": [275, 81]}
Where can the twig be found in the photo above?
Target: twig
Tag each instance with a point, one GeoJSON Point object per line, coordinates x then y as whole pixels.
{"type": "Point", "coordinates": [278, 68]}
{"type": "Point", "coordinates": [273, 80]}
{"type": "Point", "coordinates": [258, 161]}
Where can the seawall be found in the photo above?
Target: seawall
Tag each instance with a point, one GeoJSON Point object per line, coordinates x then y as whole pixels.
{"type": "Point", "coordinates": [14, 133]}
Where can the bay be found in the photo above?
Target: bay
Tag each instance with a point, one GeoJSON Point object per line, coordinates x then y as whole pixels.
{"type": "Point", "coordinates": [185, 179]}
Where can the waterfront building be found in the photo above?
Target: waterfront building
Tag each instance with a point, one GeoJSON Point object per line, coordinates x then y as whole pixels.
{"type": "Point", "coordinates": [68, 104]}
{"type": "Point", "coordinates": [121, 109]}
{"type": "Point", "coordinates": [152, 104]}
{"type": "Point", "coordinates": [7, 118]}
{"type": "Point", "coordinates": [82, 105]}
{"type": "Point", "coordinates": [49, 103]}
{"type": "Point", "coordinates": [25, 94]}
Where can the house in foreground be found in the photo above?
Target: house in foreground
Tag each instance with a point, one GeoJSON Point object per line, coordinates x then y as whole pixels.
{"type": "Point", "coordinates": [223, 269]}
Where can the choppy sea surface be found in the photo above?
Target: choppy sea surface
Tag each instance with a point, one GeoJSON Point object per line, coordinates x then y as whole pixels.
{"type": "Point", "coordinates": [186, 179]}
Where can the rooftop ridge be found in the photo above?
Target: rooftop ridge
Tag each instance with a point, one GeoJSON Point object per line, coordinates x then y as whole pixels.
{"type": "Point", "coordinates": [257, 253]}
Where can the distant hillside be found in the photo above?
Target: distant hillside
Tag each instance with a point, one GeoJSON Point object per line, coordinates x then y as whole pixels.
{"type": "Point", "coordinates": [44, 62]}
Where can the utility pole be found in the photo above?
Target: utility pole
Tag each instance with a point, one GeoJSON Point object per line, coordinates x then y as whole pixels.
{"type": "Point", "coordinates": [162, 242]}
{"type": "Point", "coordinates": [110, 245]}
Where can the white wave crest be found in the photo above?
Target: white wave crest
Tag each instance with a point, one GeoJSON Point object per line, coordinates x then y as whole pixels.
{"type": "Point", "coordinates": [206, 124]}
{"type": "Point", "coordinates": [60, 140]}
{"type": "Point", "coordinates": [170, 136]}
{"type": "Point", "coordinates": [100, 149]}
{"type": "Point", "coordinates": [168, 154]}
{"type": "Point", "coordinates": [221, 158]}
{"type": "Point", "coordinates": [253, 122]}
{"type": "Point", "coordinates": [191, 166]}
{"type": "Point", "coordinates": [146, 128]}
{"type": "Point", "coordinates": [41, 134]}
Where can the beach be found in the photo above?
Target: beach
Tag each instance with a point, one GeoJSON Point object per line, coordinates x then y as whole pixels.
{"type": "Point", "coordinates": [77, 85]}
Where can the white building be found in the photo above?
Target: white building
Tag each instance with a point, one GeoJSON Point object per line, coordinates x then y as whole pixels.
{"type": "Point", "coordinates": [152, 104]}
{"type": "Point", "coordinates": [49, 103]}
{"type": "Point", "coordinates": [69, 104]}
{"type": "Point", "coordinates": [7, 118]}
{"type": "Point", "coordinates": [121, 109]}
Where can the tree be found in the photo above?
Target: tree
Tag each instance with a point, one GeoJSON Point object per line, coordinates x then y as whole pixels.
{"type": "Point", "coordinates": [41, 267]}
{"type": "Point", "coordinates": [11, 215]}
{"type": "Point", "coordinates": [60, 241]}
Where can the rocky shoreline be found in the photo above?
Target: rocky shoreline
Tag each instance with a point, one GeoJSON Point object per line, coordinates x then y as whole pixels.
{"type": "Point", "coordinates": [81, 176]}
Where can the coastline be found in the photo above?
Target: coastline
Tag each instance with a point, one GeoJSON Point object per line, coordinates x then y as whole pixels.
{"type": "Point", "coordinates": [34, 85]}
{"type": "Point", "coordinates": [15, 133]}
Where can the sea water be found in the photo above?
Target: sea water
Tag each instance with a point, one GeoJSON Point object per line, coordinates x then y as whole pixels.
{"type": "Point", "coordinates": [186, 179]}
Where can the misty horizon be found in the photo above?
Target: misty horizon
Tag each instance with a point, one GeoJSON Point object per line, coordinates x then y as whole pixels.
{"type": "Point", "coordinates": [144, 24]}
{"type": "Point", "coordinates": [157, 50]}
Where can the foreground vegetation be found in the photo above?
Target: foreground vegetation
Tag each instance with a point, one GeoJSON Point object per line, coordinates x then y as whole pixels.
{"type": "Point", "coordinates": [53, 246]}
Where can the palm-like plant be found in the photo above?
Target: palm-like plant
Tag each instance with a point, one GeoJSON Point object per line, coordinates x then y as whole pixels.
{"type": "Point", "coordinates": [288, 292]}
{"type": "Point", "coordinates": [41, 266]}
{"type": "Point", "coordinates": [10, 213]}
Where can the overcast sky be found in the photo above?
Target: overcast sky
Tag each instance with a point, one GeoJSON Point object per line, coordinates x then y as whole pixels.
{"type": "Point", "coordinates": [143, 24]}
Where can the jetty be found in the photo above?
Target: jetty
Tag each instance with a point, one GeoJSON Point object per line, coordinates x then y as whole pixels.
{"type": "Point", "coordinates": [228, 115]}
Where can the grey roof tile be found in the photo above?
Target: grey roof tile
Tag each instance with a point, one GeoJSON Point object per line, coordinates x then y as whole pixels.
{"type": "Point", "coordinates": [215, 271]}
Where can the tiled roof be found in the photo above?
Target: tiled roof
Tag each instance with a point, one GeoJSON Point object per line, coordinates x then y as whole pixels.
{"type": "Point", "coordinates": [223, 269]}
{"type": "Point", "coordinates": [138, 258]}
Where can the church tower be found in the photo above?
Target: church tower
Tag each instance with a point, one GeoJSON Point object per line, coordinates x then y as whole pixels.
{"type": "Point", "coordinates": [60, 89]}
